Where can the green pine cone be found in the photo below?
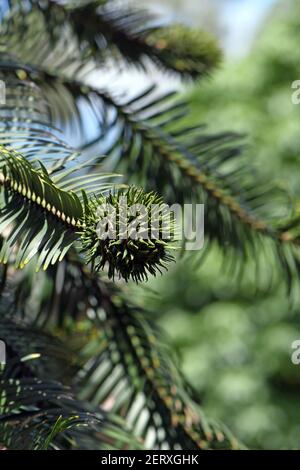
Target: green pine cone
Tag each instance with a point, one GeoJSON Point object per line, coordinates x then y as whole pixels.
{"type": "Point", "coordinates": [129, 232]}
{"type": "Point", "coordinates": [189, 52]}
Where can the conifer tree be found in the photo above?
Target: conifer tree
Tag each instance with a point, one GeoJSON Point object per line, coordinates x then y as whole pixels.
{"type": "Point", "coordinates": [86, 367]}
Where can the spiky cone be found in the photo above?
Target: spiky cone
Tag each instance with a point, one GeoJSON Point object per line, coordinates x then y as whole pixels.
{"type": "Point", "coordinates": [128, 231]}
{"type": "Point", "coordinates": [191, 53]}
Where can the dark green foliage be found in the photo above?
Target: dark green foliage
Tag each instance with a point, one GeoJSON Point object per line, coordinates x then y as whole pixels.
{"type": "Point", "coordinates": [60, 217]}
{"type": "Point", "coordinates": [116, 359]}
{"type": "Point", "coordinates": [110, 32]}
{"type": "Point", "coordinates": [145, 138]}
{"type": "Point", "coordinates": [37, 411]}
{"type": "Point", "coordinates": [49, 198]}
{"type": "Point", "coordinates": [235, 339]}
{"type": "Point", "coordinates": [128, 367]}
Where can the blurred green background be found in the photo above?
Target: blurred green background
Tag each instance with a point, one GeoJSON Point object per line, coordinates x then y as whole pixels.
{"type": "Point", "coordinates": [235, 340]}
